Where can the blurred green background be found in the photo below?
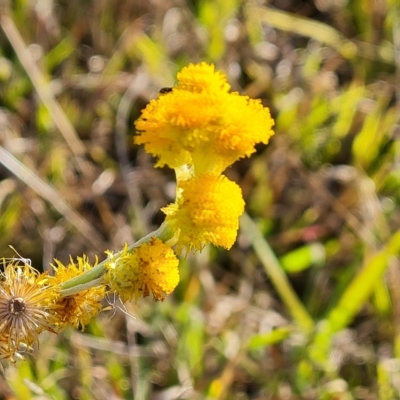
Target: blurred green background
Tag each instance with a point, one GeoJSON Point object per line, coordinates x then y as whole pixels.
{"type": "Point", "coordinates": [306, 305]}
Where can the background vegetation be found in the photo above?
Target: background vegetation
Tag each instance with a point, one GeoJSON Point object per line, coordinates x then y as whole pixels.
{"type": "Point", "coordinates": [306, 304]}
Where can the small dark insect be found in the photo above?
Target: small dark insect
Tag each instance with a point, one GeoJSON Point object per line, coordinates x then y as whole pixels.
{"type": "Point", "coordinates": [165, 90]}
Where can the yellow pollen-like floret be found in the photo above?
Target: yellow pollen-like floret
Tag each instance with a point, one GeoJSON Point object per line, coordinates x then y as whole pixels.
{"type": "Point", "coordinates": [202, 77]}
{"type": "Point", "coordinates": [150, 268]}
{"type": "Point", "coordinates": [207, 211]}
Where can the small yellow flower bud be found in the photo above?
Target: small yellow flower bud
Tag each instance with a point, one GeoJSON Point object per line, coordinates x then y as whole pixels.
{"type": "Point", "coordinates": [150, 268]}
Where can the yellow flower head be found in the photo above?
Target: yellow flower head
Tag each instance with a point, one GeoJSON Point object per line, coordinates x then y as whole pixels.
{"type": "Point", "coordinates": [202, 77]}
{"type": "Point", "coordinates": [201, 124]}
{"type": "Point", "coordinates": [26, 302]}
{"type": "Point", "coordinates": [78, 309]}
{"type": "Point", "coordinates": [206, 211]}
{"type": "Point", "coordinates": [150, 268]}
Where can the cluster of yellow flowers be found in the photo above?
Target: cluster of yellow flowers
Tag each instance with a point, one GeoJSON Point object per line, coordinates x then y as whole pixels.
{"type": "Point", "coordinates": [198, 128]}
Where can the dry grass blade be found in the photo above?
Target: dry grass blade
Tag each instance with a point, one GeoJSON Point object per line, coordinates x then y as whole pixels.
{"type": "Point", "coordinates": [50, 195]}
{"type": "Point", "coordinates": [42, 87]}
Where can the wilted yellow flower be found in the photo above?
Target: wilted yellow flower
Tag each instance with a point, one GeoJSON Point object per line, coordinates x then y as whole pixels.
{"type": "Point", "coordinates": [206, 211]}
{"type": "Point", "coordinates": [26, 303]}
{"type": "Point", "coordinates": [150, 268]}
{"type": "Point", "coordinates": [200, 124]}
{"type": "Point", "coordinates": [78, 309]}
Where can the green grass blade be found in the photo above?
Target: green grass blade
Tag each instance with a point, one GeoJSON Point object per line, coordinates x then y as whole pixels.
{"type": "Point", "coordinates": [275, 272]}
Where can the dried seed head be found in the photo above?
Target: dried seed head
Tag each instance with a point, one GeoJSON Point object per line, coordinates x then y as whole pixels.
{"type": "Point", "coordinates": [25, 307]}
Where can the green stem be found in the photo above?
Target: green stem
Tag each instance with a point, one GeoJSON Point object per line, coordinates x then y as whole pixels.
{"type": "Point", "coordinates": [94, 278]}
{"type": "Point", "coordinates": [82, 287]}
{"type": "Point", "coordinates": [276, 274]}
